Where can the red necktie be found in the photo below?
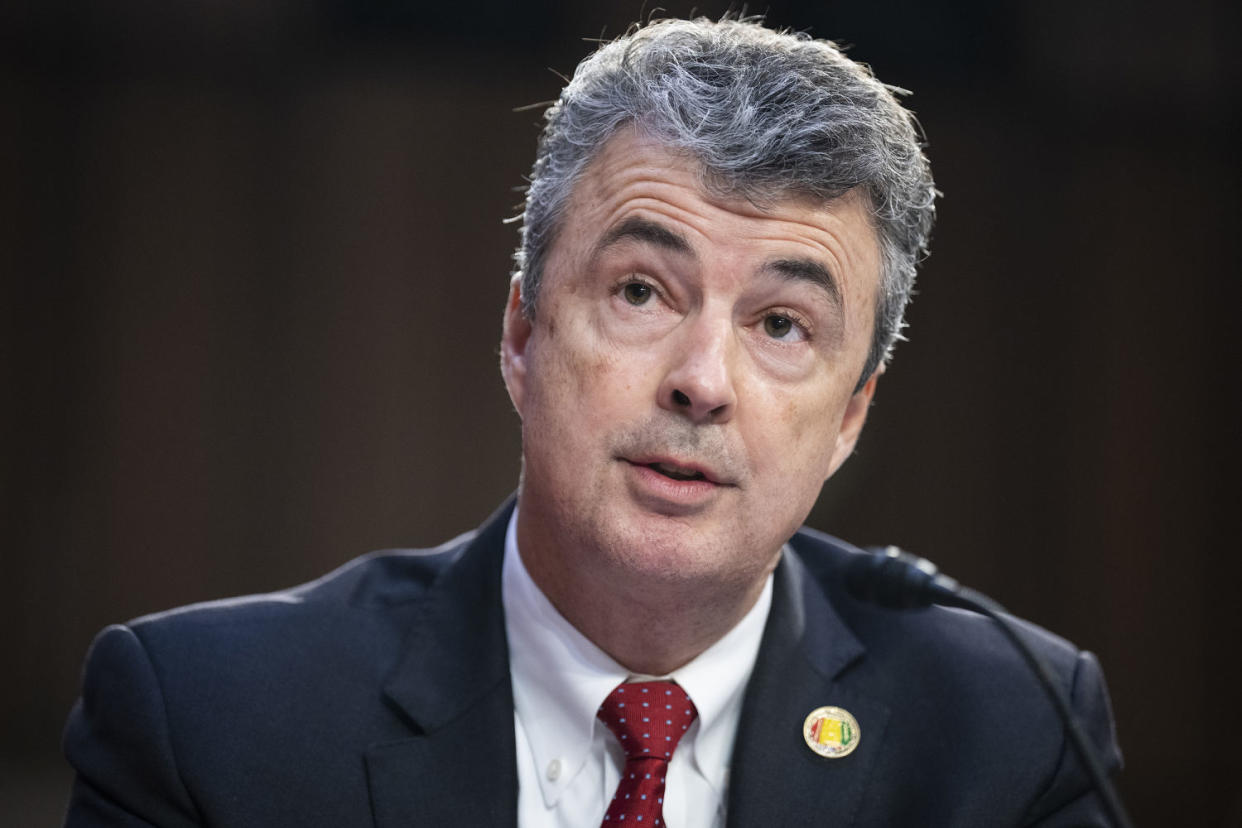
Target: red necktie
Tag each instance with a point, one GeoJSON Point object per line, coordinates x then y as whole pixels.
{"type": "Point", "coordinates": [648, 718]}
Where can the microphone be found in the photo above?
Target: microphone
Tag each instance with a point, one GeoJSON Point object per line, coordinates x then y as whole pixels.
{"type": "Point", "coordinates": [895, 579]}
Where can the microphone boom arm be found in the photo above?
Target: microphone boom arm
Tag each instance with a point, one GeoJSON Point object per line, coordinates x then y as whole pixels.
{"type": "Point", "coordinates": [896, 579]}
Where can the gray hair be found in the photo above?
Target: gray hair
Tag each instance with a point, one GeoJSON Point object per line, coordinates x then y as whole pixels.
{"type": "Point", "coordinates": [767, 114]}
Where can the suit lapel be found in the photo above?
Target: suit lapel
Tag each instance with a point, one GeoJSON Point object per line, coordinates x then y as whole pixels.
{"type": "Point", "coordinates": [453, 687]}
{"type": "Point", "coordinates": [803, 664]}
{"type": "Point", "coordinates": [459, 767]}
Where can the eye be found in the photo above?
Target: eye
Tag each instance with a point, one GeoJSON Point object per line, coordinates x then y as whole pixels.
{"type": "Point", "coordinates": [636, 293]}
{"type": "Point", "coordinates": [778, 326]}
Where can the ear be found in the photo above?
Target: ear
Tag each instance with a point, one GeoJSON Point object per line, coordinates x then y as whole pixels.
{"type": "Point", "coordinates": [852, 423]}
{"type": "Point", "coordinates": [513, 342]}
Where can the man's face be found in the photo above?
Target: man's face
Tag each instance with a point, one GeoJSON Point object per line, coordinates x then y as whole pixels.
{"type": "Point", "coordinates": [687, 383]}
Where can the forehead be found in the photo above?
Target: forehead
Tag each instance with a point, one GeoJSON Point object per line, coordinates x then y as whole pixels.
{"type": "Point", "coordinates": [630, 158]}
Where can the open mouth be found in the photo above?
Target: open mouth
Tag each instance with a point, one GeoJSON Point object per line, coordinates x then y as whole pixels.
{"type": "Point", "coordinates": [675, 472]}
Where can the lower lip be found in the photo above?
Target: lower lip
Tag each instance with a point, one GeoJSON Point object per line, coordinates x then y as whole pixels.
{"type": "Point", "coordinates": [664, 494]}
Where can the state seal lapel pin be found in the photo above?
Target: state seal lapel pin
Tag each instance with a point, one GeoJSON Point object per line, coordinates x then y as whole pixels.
{"type": "Point", "coordinates": [831, 731]}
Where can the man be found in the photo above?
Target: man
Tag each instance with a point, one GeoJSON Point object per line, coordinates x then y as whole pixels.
{"type": "Point", "coordinates": [719, 240]}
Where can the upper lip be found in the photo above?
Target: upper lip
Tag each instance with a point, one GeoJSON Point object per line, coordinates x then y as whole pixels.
{"type": "Point", "coordinates": [685, 466]}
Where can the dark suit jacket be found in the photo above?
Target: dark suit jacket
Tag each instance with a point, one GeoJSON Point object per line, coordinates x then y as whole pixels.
{"type": "Point", "coordinates": [379, 695]}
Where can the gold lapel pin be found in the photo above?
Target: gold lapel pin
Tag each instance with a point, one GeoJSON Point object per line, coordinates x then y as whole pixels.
{"type": "Point", "coordinates": [831, 731]}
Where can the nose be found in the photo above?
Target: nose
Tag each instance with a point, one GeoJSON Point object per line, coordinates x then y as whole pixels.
{"type": "Point", "coordinates": [699, 381]}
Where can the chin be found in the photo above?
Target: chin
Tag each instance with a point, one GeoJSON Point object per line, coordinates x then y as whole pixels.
{"type": "Point", "coordinates": [672, 550]}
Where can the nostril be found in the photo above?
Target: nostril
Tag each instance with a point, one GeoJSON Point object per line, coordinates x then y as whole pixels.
{"type": "Point", "coordinates": [680, 398]}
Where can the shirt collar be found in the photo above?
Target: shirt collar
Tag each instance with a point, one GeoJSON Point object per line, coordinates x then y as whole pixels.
{"type": "Point", "coordinates": [560, 678]}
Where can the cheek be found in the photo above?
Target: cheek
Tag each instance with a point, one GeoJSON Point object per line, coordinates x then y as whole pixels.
{"type": "Point", "coordinates": [793, 415]}
{"type": "Point", "coordinates": [799, 434]}
{"type": "Point", "coordinates": [576, 381]}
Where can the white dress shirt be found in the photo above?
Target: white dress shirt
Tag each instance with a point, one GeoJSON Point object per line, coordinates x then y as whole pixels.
{"type": "Point", "coordinates": [568, 762]}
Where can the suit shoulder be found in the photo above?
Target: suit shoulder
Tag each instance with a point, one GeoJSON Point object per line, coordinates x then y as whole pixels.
{"type": "Point", "coordinates": [944, 635]}
{"type": "Point", "coordinates": [939, 671]}
{"type": "Point", "coordinates": [382, 584]}
{"type": "Point", "coordinates": [339, 635]}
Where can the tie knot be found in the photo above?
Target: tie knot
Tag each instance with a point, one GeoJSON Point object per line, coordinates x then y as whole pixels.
{"type": "Point", "coordinates": [648, 717]}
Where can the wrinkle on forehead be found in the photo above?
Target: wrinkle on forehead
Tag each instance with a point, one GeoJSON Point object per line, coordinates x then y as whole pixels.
{"type": "Point", "coordinates": [635, 175]}
{"type": "Point", "coordinates": [631, 161]}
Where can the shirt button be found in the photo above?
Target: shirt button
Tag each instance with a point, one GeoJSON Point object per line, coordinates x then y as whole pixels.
{"type": "Point", "coordinates": [554, 770]}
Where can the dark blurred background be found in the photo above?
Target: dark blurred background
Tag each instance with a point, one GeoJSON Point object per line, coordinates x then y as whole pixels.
{"type": "Point", "coordinates": [254, 264]}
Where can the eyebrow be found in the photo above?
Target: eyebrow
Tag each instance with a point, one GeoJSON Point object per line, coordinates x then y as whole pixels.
{"type": "Point", "coordinates": [644, 230]}
{"type": "Point", "coordinates": [653, 233]}
{"type": "Point", "coordinates": [808, 270]}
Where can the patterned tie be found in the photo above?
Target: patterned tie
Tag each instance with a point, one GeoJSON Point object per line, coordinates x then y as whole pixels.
{"type": "Point", "coordinates": [648, 718]}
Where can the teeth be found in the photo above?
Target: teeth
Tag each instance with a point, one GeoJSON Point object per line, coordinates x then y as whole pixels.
{"type": "Point", "coordinates": [675, 473]}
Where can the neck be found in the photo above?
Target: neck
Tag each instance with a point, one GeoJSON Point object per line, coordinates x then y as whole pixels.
{"type": "Point", "coordinates": [649, 625]}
